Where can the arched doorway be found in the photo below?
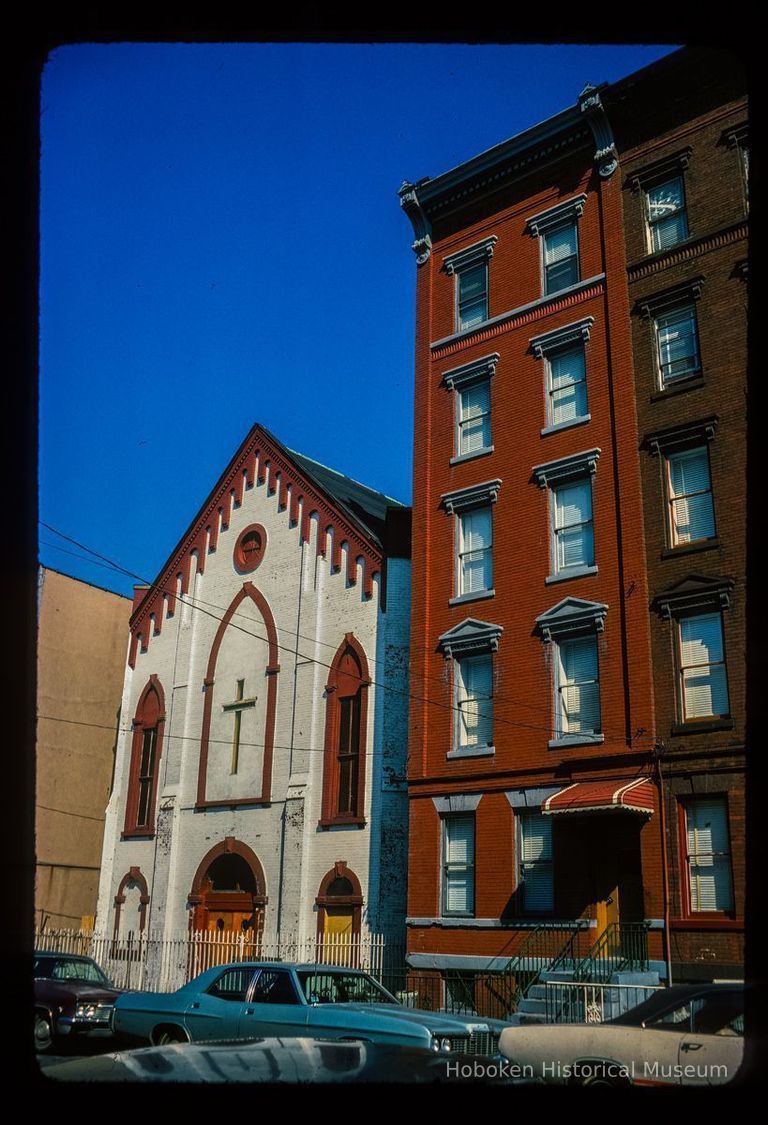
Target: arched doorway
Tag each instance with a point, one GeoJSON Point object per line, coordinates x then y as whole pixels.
{"type": "Point", "coordinates": [340, 903]}
{"type": "Point", "coordinates": [227, 904]}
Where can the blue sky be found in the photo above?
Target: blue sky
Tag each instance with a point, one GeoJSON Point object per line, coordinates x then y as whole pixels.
{"type": "Point", "coordinates": [222, 243]}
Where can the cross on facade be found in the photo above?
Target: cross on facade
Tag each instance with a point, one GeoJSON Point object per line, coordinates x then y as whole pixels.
{"type": "Point", "coordinates": [237, 706]}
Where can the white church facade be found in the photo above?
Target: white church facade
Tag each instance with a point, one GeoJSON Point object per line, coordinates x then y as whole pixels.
{"type": "Point", "coordinates": [260, 774]}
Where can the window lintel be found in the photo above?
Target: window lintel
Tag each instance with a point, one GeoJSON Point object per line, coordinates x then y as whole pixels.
{"type": "Point", "coordinates": [460, 377]}
{"type": "Point", "coordinates": [472, 497]}
{"type": "Point", "coordinates": [576, 333]}
{"type": "Point", "coordinates": [471, 255]}
{"type": "Point", "coordinates": [576, 465]}
{"type": "Point", "coordinates": [568, 211]}
{"type": "Point", "coordinates": [668, 298]}
{"type": "Point", "coordinates": [695, 594]}
{"type": "Point", "coordinates": [457, 803]}
{"type": "Point", "coordinates": [471, 637]}
{"type": "Point", "coordinates": [667, 166]}
{"type": "Point", "coordinates": [681, 435]}
{"type": "Point", "coordinates": [570, 616]}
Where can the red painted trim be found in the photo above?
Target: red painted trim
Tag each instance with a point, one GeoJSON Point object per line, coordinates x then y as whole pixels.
{"type": "Point", "coordinates": [141, 722]}
{"type": "Point", "coordinates": [134, 875]}
{"type": "Point", "coordinates": [272, 670]}
{"type": "Point", "coordinates": [258, 457]}
{"type": "Point", "coordinates": [355, 900]}
{"type": "Point", "coordinates": [246, 564]}
{"type": "Point", "coordinates": [329, 816]}
{"type": "Point", "coordinates": [229, 846]}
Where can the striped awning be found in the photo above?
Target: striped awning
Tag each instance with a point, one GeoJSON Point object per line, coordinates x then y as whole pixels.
{"type": "Point", "coordinates": [596, 796]}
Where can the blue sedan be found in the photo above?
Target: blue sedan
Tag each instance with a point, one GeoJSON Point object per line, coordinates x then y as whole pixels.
{"type": "Point", "coordinates": [248, 1000]}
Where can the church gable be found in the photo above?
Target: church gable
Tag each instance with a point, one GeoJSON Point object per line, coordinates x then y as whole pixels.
{"type": "Point", "coordinates": [295, 490]}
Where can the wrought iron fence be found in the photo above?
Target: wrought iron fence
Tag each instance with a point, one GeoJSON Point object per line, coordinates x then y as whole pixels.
{"type": "Point", "coordinates": [591, 1001]}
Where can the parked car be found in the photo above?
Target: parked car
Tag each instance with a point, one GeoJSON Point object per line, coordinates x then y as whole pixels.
{"type": "Point", "coordinates": [73, 998]}
{"type": "Point", "coordinates": [254, 999]}
{"type": "Point", "coordinates": [684, 1035]}
{"type": "Point", "coordinates": [280, 1060]}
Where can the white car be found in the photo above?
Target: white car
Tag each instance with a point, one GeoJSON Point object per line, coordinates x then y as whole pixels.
{"type": "Point", "coordinates": [684, 1035]}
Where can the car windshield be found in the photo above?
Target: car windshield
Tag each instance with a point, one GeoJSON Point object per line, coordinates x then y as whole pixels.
{"type": "Point", "coordinates": [323, 987]}
{"type": "Point", "coordinates": [70, 968]}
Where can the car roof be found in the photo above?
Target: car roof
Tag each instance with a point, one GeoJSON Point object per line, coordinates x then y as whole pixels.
{"type": "Point", "coordinates": [666, 998]}
{"type": "Point", "coordinates": [299, 966]}
{"type": "Point", "coordinates": [54, 953]}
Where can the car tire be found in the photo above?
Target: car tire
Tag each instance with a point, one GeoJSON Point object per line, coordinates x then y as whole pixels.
{"type": "Point", "coordinates": [169, 1035]}
{"type": "Point", "coordinates": [43, 1033]}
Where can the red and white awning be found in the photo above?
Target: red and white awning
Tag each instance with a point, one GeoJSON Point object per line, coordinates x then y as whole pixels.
{"type": "Point", "coordinates": [596, 796]}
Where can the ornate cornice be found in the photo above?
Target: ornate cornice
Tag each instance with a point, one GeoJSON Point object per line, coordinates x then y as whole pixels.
{"type": "Point", "coordinates": [470, 637]}
{"type": "Point", "coordinates": [606, 156]}
{"type": "Point", "coordinates": [471, 497]}
{"type": "Point", "coordinates": [696, 592]}
{"type": "Point", "coordinates": [575, 333]}
{"type": "Point", "coordinates": [560, 213]}
{"type": "Point", "coordinates": [668, 298]}
{"type": "Point", "coordinates": [422, 228]}
{"type": "Point", "coordinates": [683, 434]}
{"type": "Point", "coordinates": [576, 465]}
{"type": "Point", "coordinates": [469, 256]}
{"type": "Point", "coordinates": [571, 615]}
{"type": "Point", "coordinates": [471, 372]}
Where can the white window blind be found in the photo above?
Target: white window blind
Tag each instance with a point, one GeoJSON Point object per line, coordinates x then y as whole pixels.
{"type": "Point", "coordinates": [475, 418]}
{"type": "Point", "coordinates": [709, 860]}
{"type": "Point", "coordinates": [666, 214]}
{"type": "Point", "coordinates": [678, 345]}
{"type": "Point", "coordinates": [573, 525]}
{"type": "Point", "coordinates": [579, 686]}
{"type": "Point", "coordinates": [567, 386]}
{"type": "Point", "coordinates": [475, 702]}
{"type": "Point", "coordinates": [691, 513]}
{"type": "Point", "coordinates": [702, 667]}
{"type": "Point", "coordinates": [472, 296]}
{"type": "Point", "coordinates": [560, 258]}
{"type": "Point", "coordinates": [475, 551]}
{"type": "Point", "coordinates": [536, 863]}
{"type": "Point", "coordinates": [458, 864]}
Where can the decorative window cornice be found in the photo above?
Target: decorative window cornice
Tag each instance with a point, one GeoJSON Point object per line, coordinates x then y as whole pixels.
{"type": "Point", "coordinates": [553, 216]}
{"type": "Point", "coordinates": [576, 465]}
{"type": "Point", "coordinates": [737, 135]}
{"type": "Point", "coordinates": [531, 798]}
{"type": "Point", "coordinates": [696, 592]}
{"type": "Point", "coordinates": [470, 637]}
{"type": "Point", "coordinates": [422, 228]}
{"type": "Point", "coordinates": [457, 803]}
{"type": "Point", "coordinates": [576, 333]}
{"type": "Point", "coordinates": [472, 372]}
{"type": "Point", "coordinates": [668, 298]}
{"type": "Point", "coordinates": [667, 166]}
{"type": "Point", "coordinates": [472, 497]}
{"type": "Point", "coordinates": [683, 434]}
{"type": "Point", "coordinates": [571, 615]}
{"type": "Point", "coordinates": [470, 255]}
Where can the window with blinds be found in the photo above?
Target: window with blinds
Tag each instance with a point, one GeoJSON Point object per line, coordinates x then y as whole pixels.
{"type": "Point", "coordinates": [578, 687]}
{"type": "Point", "coordinates": [561, 258]}
{"type": "Point", "coordinates": [474, 702]}
{"type": "Point", "coordinates": [691, 514]}
{"type": "Point", "coordinates": [459, 864]}
{"type": "Point", "coordinates": [474, 418]}
{"type": "Point", "coordinates": [678, 344]}
{"type": "Point", "coordinates": [710, 884]}
{"type": "Point", "coordinates": [703, 681]}
{"type": "Point", "coordinates": [572, 532]}
{"type": "Point", "coordinates": [535, 867]}
{"type": "Point", "coordinates": [475, 551]}
{"type": "Point", "coordinates": [567, 386]}
{"type": "Point", "coordinates": [471, 297]}
{"type": "Point", "coordinates": [667, 221]}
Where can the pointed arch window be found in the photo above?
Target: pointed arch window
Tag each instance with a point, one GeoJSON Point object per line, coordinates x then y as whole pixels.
{"type": "Point", "coordinates": [345, 737]}
{"type": "Point", "coordinates": [146, 749]}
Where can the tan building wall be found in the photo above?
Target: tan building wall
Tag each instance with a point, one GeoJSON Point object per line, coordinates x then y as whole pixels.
{"type": "Point", "coordinates": [82, 642]}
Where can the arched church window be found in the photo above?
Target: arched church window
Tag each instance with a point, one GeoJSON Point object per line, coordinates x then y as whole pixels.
{"type": "Point", "coordinates": [345, 736]}
{"type": "Point", "coordinates": [148, 724]}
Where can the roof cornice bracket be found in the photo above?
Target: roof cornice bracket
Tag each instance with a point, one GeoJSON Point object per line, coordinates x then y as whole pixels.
{"type": "Point", "coordinates": [422, 228]}
{"type": "Point", "coordinates": [606, 156]}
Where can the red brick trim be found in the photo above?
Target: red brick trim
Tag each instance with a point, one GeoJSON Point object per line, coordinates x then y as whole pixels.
{"type": "Point", "coordinates": [272, 670]}
{"type": "Point", "coordinates": [329, 816]}
{"type": "Point", "coordinates": [229, 846]}
{"type": "Point", "coordinates": [246, 561]}
{"type": "Point", "coordinates": [147, 716]}
{"type": "Point", "coordinates": [684, 253]}
{"type": "Point", "coordinates": [133, 875]}
{"type": "Point", "coordinates": [258, 459]}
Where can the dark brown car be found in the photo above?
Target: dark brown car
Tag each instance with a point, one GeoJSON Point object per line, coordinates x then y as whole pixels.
{"type": "Point", "coordinates": [73, 998]}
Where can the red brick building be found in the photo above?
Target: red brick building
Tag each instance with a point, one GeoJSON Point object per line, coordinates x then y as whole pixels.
{"type": "Point", "coordinates": [535, 818]}
{"type": "Point", "coordinates": [682, 136]}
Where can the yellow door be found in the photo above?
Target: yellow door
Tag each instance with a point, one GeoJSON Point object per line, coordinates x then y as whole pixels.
{"type": "Point", "coordinates": [607, 911]}
{"type": "Point", "coordinates": [338, 920]}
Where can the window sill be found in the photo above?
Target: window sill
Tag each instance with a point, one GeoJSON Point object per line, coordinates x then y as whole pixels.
{"type": "Point", "coordinates": [475, 596]}
{"type": "Point", "coordinates": [691, 548]}
{"type": "Point", "coordinates": [342, 822]}
{"type": "Point", "coordinates": [472, 752]}
{"type": "Point", "coordinates": [138, 834]}
{"type": "Point", "coordinates": [461, 457]}
{"type": "Point", "coordinates": [556, 427]}
{"type": "Point", "coordinates": [565, 741]}
{"type": "Point", "coordinates": [576, 572]}
{"type": "Point", "coordinates": [710, 921]}
{"type": "Point", "coordinates": [678, 387]}
{"type": "Point", "coordinates": [702, 727]}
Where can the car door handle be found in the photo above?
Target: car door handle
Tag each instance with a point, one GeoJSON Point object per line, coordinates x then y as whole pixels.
{"type": "Point", "coordinates": [195, 1005]}
{"type": "Point", "coordinates": [691, 1046]}
{"type": "Point", "coordinates": [248, 1012]}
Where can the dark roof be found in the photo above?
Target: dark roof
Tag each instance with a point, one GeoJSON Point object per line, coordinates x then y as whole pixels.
{"type": "Point", "coordinates": [366, 506]}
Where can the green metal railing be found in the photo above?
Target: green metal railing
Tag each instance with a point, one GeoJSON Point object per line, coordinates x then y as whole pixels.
{"type": "Point", "coordinates": [548, 947]}
{"type": "Point", "coordinates": [623, 946]}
